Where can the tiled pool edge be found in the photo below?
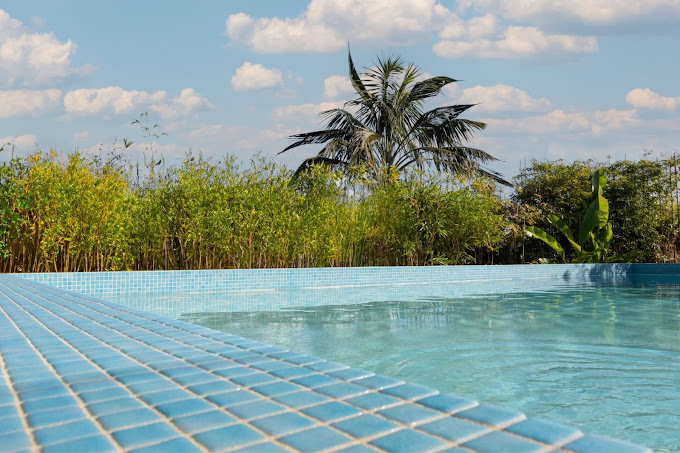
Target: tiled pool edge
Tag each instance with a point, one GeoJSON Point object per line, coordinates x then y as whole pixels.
{"type": "Point", "coordinates": [127, 353]}
{"type": "Point", "coordinates": [107, 283]}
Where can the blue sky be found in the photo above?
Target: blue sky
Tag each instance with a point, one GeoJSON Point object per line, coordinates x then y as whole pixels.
{"type": "Point", "coordinates": [554, 79]}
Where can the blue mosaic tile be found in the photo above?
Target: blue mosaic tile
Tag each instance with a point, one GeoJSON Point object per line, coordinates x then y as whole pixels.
{"type": "Point", "coordinates": [111, 393]}
{"type": "Point", "coordinates": [230, 398]}
{"type": "Point", "coordinates": [228, 437]}
{"type": "Point", "coordinates": [454, 429]}
{"type": "Point", "coordinates": [301, 399]}
{"type": "Point", "coordinates": [292, 372]}
{"type": "Point", "coordinates": [179, 444]}
{"type": "Point", "coordinates": [329, 412]}
{"type": "Point", "coordinates": [276, 388]}
{"type": "Point", "coordinates": [447, 403]}
{"type": "Point", "coordinates": [365, 426]}
{"type": "Point", "coordinates": [47, 404]}
{"type": "Point", "coordinates": [11, 425]}
{"type": "Point", "coordinates": [65, 432]}
{"type": "Point", "coordinates": [127, 419]}
{"type": "Point", "coordinates": [142, 435]}
{"type": "Point", "coordinates": [51, 417]}
{"type": "Point", "coordinates": [373, 401]}
{"type": "Point", "coordinates": [408, 441]}
{"type": "Point", "coordinates": [544, 431]}
{"type": "Point", "coordinates": [164, 396]}
{"type": "Point", "coordinates": [315, 380]}
{"type": "Point", "coordinates": [250, 380]}
{"type": "Point", "coordinates": [255, 409]}
{"type": "Point", "coordinates": [109, 407]}
{"type": "Point", "coordinates": [378, 382]}
{"type": "Point", "coordinates": [92, 444]}
{"type": "Point", "coordinates": [265, 447]}
{"type": "Point", "coordinates": [492, 415]}
{"type": "Point", "coordinates": [204, 421]}
{"type": "Point", "coordinates": [410, 414]}
{"type": "Point", "coordinates": [594, 444]}
{"type": "Point", "coordinates": [278, 425]}
{"type": "Point", "coordinates": [15, 442]}
{"type": "Point", "coordinates": [409, 391]}
{"type": "Point", "coordinates": [213, 387]}
{"type": "Point", "coordinates": [184, 407]}
{"type": "Point", "coordinates": [315, 439]}
{"type": "Point", "coordinates": [500, 441]}
{"type": "Point", "coordinates": [358, 449]}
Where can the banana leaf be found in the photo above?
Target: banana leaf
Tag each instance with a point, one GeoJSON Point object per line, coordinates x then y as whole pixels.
{"type": "Point", "coordinates": [538, 233]}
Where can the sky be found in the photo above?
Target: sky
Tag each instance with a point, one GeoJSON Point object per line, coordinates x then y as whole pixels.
{"type": "Point", "coordinates": [553, 79]}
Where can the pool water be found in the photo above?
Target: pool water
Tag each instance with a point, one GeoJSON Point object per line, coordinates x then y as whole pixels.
{"type": "Point", "coordinates": [602, 358]}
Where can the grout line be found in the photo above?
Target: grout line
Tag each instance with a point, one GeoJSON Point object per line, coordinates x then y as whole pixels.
{"type": "Point", "coordinates": [373, 412]}
{"type": "Point", "coordinates": [165, 418]}
{"type": "Point", "coordinates": [81, 403]}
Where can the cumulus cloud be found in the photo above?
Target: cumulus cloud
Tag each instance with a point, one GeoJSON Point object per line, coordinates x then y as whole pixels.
{"type": "Point", "coordinates": [188, 102]}
{"type": "Point", "coordinates": [20, 142]}
{"type": "Point", "coordinates": [92, 101]}
{"type": "Point", "coordinates": [250, 76]}
{"type": "Point", "coordinates": [516, 42]}
{"type": "Point", "coordinates": [497, 98]}
{"type": "Point", "coordinates": [28, 58]}
{"type": "Point", "coordinates": [116, 100]}
{"type": "Point", "coordinates": [27, 102]}
{"type": "Point", "coordinates": [600, 12]}
{"type": "Point", "coordinates": [337, 86]}
{"type": "Point", "coordinates": [564, 122]}
{"type": "Point", "coordinates": [327, 25]}
{"type": "Point", "coordinates": [305, 111]}
{"type": "Point", "coordinates": [204, 131]}
{"type": "Point", "coordinates": [644, 98]}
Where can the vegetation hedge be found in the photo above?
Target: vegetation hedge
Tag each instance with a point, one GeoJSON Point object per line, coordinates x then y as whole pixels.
{"type": "Point", "coordinates": [83, 213]}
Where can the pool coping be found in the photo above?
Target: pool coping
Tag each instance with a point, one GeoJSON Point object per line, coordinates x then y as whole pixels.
{"type": "Point", "coordinates": [80, 373]}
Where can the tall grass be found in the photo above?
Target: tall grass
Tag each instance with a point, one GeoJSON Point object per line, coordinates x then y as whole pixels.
{"type": "Point", "coordinates": [79, 213]}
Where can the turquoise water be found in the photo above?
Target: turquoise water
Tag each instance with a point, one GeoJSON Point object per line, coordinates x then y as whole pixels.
{"type": "Point", "coordinates": [602, 358]}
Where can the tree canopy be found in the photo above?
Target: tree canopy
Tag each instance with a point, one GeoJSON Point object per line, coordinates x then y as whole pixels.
{"type": "Point", "coordinates": [386, 128]}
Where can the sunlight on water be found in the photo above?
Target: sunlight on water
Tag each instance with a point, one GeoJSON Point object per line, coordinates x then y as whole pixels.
{"type": "Point", "coordinates": [604, 359]}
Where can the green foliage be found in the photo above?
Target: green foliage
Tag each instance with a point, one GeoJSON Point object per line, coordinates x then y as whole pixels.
{"type": "Point", "coordinates": [79, 213]}
{"type": "Point", "coordinates": [595, 233]}
{"type": "Point", "coordinates": [385, 127]}
{"type": "Point", "coordinates": [642, 206]}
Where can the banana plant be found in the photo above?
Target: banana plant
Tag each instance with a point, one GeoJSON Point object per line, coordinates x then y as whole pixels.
{"type": "Point", "coordinates": [595, 233]}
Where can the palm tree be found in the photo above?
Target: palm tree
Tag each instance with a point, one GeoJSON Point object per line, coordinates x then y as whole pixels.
{"type": "Point", "coordinates": [385, 128]}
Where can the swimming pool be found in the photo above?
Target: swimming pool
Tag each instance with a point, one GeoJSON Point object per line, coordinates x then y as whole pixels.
{"type": "Point", "coordinates": [597, 350]}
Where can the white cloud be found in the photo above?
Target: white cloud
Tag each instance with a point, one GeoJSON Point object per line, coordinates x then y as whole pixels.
{"type": "Point", "coordinates": [27, 102]}
{"type": "Point", "coordinates": [29, 58]}
{"type": "Point", "coordinates": [565, 122]}
{"type": "Point", "coordinates": [599, 12]}
{"type": "Point", "coordinates": [497, 98]}
{"type": "Point", "coordinates": [79, 136]}
{"type": "Point", "coordinates": [305, 112]}
{"type": "Point", "coordinates": [250, 76]}
{"type": "Point", "coordinates": [188, 102]}
{"type": "Point", "coordinates": [327, 25]}
{"type": "Point", "coordinates": [116, 100]}
{"type": "Point", "coordinates": [204, 131]}
{"type": "Point", "coordinates": [91, 101]}
{"type": "Point", "coordinates": [20, 142]}
{"type": "Point", "coordinates": [644, 98]}
{"type": "Point", "coordinates": [337, 86]}
{"type": "Point", "coordinates": [518, 42]}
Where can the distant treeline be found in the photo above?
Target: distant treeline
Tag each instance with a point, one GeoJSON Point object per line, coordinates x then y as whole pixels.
{"type": "Point", "coordinates": [84, 213]}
